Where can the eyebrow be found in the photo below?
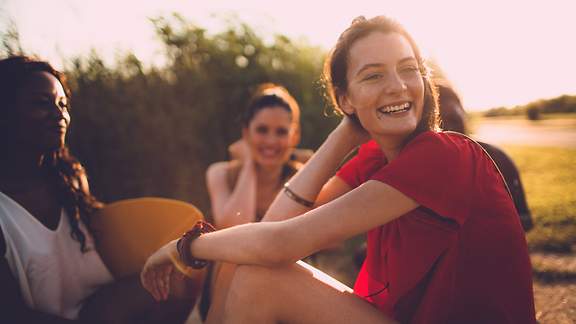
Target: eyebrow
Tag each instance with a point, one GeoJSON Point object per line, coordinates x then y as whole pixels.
{"type": "Point", "coordinates": [372, 65]}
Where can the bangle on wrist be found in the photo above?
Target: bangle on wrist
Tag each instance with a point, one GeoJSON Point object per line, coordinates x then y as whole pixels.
{"type": "Point", "coordinates": [292, 195]}
{"type": "Point", "coordinates": [180, 266]}
{"type": "Point", "coordinates": [183, 244]}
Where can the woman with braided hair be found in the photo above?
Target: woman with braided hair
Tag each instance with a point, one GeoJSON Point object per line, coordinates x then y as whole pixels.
{"type": "Point", "coordinates": [50, 271]}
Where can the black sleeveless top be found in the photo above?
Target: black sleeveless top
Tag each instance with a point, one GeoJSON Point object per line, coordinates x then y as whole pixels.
{"type": "Point", "coordinates": [288, 170]}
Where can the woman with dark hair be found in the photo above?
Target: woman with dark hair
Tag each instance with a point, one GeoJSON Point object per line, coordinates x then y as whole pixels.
{"type": "Point", "coordinates": [444, 244]}
{"type": "Point", "coordinates": [50, 271]}
{"type": "Point", "coordinates": [241, 190]}
{"type": "Point", "coordinates": [454, 119]}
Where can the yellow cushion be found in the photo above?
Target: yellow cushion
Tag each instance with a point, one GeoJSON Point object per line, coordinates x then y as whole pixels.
{"type": "Point", "coordinates": [128, 231]}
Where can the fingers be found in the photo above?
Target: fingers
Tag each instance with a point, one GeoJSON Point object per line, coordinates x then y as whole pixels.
{"type": "Point", "coordinates": [155, 275]}
{"type": "Point", "coordinates": [156, 284]}
{"type": "Point", "coordinates": [147, 279]}
{"type": "Point", "coordinates": [156, 280]}
{"type": "Point", "coordinates": [165, 281]}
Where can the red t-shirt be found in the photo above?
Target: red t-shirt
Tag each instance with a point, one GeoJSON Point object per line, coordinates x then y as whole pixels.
{"type": "Point", "coordinates": [461, 257]}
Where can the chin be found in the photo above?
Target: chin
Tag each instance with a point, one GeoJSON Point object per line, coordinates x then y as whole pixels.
{"type": "Point", "coordinates": [271, 162]}
{"type": "Point", "coordinates": [397, 131]}
{"type": "Point", "coordinates": [52, 145]}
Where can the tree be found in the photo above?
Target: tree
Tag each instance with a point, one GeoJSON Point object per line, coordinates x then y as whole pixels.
{"type": "Point", "coordinates": [153, 132]}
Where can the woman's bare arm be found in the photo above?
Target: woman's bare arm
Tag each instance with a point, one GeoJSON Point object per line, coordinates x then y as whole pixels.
{"type": "Point", "coordinates": [273, 243]}
{"type": "Point", "coordinates": [279, 243]}
{"type": "Point", "coordinates": [315, 181]}
{"type": "Point", "coordinates": [270, 244]}
{"type": "Point", "coordinates": [234, 207]}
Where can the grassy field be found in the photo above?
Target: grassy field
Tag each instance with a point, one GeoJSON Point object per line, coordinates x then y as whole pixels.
{"type": "Point", "coordinates": [549, 178]}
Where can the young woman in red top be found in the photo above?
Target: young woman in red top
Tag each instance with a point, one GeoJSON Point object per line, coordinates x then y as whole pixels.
{"type": "Point", "coordinates": [444, 241]}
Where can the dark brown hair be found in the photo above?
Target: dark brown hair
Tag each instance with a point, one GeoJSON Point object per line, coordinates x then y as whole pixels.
{"type": "Point", "coordinates": [451, 110]}
{"type": "Point", "coordinates": [336, 66]}
{"type": "Point", "coordinates": [63, 168]}
{"type": "Point", "coordinates": [271, 95]}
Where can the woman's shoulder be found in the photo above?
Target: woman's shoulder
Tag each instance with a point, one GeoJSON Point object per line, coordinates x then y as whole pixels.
{"type": "Point", "coordinates": [222, 167]}
{"type": "Point", "coordinates": [441, 136]}
{"type": "Point", "coordinates": [441, 150]}
{"type": "Point", "coordinates": [223, 172]}
{"type": "Point", "coordinates": [442, 142]}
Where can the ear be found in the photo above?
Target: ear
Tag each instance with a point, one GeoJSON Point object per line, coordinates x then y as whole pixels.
{"type": "Point", "coordinates": [345, 105]}
{"type": "Point", "coordinates": [245, 133]}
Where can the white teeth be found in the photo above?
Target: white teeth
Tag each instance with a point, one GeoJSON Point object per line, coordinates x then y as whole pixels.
{"type": "Point", "coordinates": [268, 152]}
{"type": "Point", "coordinates": [394, 108]}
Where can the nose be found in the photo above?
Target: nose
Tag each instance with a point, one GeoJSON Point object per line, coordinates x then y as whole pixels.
{"type": "Point", "coordinates": [59, 112]}
{"type": "Point", "coordinates": [395, 84]}
{"type": "Point", "coordinates": [56, 110]}
{"type": "Point", "coordinates": [270, 138]}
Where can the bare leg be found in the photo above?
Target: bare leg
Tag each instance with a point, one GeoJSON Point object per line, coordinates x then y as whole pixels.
{"type": "Point", "coordinates": [294, 294]}
{"type": "Point", "coordinates": [223, 272]}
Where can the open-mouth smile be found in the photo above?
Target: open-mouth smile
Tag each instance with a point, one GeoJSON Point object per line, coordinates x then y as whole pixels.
{"type": "Point", "coordinates": [395, 108]}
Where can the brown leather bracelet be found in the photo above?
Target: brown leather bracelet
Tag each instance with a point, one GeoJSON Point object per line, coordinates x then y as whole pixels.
{"type": "Point", "coordinates": [292, 195]}
{"type": "Point", "coordinates": [183, 244]}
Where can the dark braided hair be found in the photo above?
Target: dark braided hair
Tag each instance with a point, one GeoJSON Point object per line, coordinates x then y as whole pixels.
{"type": "Point", "coordinates": [63, 169]}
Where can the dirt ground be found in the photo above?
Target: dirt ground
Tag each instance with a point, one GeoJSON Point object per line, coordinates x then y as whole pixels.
{"type": "Point", "coordinates": [555, 287]}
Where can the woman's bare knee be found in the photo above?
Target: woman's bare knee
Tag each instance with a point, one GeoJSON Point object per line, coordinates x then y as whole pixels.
{"type": "Point", "coordinates": [252, 282]}
{"type": "Point", "coordinates": [296, 293]}
{"type": "Point", "coordinates": [252, 285]}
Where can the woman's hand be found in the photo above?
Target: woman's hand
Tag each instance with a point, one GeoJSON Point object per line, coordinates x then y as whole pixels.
{"type": "Point", "coordinates": [352, 131]}
{"type": "Point", "coordinates": [157, 270]}
{"type": "Point", "coordinates": [239, 150]}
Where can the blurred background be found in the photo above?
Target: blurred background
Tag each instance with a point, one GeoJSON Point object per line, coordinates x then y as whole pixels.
{"type": "Point", "coordinates": [158, 88]}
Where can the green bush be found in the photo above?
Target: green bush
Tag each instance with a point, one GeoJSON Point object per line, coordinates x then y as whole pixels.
{"type": "Point", "coordinates": [153, 132]}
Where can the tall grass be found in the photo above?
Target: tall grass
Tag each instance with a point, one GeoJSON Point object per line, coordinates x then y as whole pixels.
{"type": "Point", "coordinates": [549, 178]}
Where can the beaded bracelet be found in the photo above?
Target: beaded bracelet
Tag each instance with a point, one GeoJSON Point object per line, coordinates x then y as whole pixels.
{"type": "Point", "coordinates": [183, 244]}
{"type": "Point", "coordinates": [292, 195]}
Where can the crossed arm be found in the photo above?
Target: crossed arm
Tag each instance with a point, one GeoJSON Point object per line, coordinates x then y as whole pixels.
{"type": "Point", "coordinates": [291, 238]}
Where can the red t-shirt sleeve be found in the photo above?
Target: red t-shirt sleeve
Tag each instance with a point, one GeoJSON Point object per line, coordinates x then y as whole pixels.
{"type": "Point", "coordinates": [437, 171]}
{"type": "Point", "coordinates": [358, 169]}
{"type": "Point", "coordinates": [349, 172]}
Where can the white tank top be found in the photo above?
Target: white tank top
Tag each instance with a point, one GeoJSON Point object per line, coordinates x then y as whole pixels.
{"type": "Point", "coordinates": [54, 275]}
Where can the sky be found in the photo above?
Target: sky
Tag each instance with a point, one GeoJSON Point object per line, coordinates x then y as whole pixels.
{"type": "Point", "coordinates": [495, 52]}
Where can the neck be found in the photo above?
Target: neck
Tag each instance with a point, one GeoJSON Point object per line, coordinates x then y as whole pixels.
{"type": "Point", "coordinates": [19, 164]}
{"type": "Point", "coordinates": [390, 146]}
{"type": "Point", "coordinates": [269, 174]}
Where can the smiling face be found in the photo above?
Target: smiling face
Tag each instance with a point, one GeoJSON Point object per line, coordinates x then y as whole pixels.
{"type": "Point", "coordinates": [271, 135]}
{"type": "Point", "coordinates": [385, 87]}
{"type": "Point", "coordinates": [42, 113]}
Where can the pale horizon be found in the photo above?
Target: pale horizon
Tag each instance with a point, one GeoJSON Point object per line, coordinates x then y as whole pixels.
{"type": "Point", "coordinates": [496, 53]}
